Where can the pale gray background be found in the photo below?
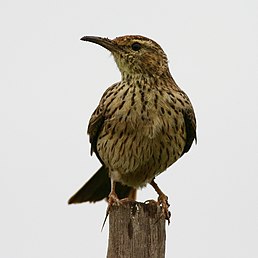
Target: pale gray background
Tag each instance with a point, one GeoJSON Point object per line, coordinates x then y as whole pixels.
{"type": "Point", "coordinates": [50, 84]}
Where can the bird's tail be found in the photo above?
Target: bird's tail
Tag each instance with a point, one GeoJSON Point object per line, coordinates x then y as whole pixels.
{"type": "Point", "coordinates": [97, 188]}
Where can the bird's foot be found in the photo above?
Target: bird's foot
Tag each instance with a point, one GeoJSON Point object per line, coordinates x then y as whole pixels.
{"type": "Point", "coordinates": [151, 202]}
{"type": "Point", "coordinates": [126, 200]}
{"type": "Point", "coordinates": [163, 201]}
{"type": "Point", "coordinates": [112, 200]}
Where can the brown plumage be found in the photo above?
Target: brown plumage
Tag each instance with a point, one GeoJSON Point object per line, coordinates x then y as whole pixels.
{"type": "Point", "coordinates": [142, 125]}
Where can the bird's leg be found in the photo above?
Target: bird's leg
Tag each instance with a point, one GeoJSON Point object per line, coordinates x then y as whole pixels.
{"type": "Point", "coordinates": [112, 197]}
{"type": "Point", "coordinates": [130, 198]}
{"type": "Point", "coordinates": [114, 200]}
{"type": "Point", "coordinates": [132, 194]}
{"type": "Point", "coordinates": [163, 201]}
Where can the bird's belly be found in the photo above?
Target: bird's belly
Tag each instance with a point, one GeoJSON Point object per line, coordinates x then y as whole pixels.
{"type": "Point", "coordinates": [136, 148]}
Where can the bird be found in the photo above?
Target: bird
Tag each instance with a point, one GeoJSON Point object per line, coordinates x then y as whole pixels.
{"type": "Point", "coordinates": [142, 125]}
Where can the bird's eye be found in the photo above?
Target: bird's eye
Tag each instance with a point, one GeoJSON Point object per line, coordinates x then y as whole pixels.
{"type": "Point", "coordinates": [136, 46]}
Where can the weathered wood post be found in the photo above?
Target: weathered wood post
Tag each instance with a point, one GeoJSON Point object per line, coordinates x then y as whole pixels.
{"type": "Point", "coordinates": [136, 230]}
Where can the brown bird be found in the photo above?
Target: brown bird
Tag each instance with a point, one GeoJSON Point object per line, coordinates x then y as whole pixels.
{"type": "Point", "coordinates": [142, 125]}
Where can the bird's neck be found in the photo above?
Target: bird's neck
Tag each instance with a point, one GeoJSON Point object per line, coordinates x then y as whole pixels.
{"type": "Point", "coordinates": [150, 79]}
{"type": "Point", "coordinates": [137, 77]}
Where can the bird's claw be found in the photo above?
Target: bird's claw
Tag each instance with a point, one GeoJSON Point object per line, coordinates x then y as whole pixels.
{"type": "Point", "coordinates": [163, 201]}
{"type": "Point", "coordinates": [112, 200]}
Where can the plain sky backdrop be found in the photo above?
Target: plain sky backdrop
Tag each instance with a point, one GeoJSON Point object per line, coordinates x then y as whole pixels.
{"type": "Point", "coordinates": [50, 84]}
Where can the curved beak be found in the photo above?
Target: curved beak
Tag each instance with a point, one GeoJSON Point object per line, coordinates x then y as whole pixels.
{"type": "Point", "coordinates": [104, 42]}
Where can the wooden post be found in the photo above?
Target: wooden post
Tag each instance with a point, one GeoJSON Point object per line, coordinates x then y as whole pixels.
{"type": "Point", "coordinates": [136, 230]}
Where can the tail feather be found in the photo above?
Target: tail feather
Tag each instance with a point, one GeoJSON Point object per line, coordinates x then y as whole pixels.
{"type": "Point", "coordinates": [97, 188]}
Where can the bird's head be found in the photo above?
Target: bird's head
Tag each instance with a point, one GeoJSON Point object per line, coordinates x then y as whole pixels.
{"type": "Point", "coordinates": [135, 55]}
